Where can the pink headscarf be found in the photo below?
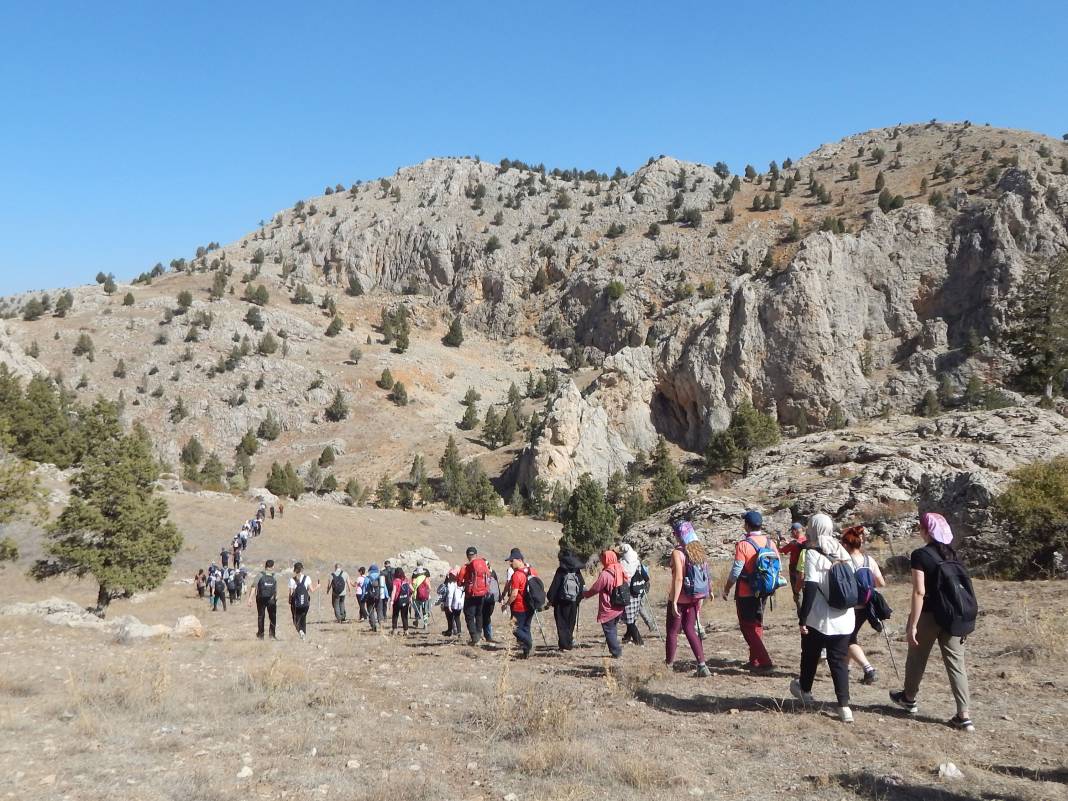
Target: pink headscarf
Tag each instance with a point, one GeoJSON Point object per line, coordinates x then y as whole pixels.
{"type": "Point", "coordinates": [610, 562]}
{"type": "Point", "coordinates": [936, 525]}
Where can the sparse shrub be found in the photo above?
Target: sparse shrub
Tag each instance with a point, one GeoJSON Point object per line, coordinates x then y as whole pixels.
{"type": "Point", "coordinates": [338, 409]}
{"type": "Point", "coordinates": [335, 327]}
{"type": "Point", "coordinates": [748, 430]}
{"type": "Point", "coordinates": [399, 395]}
{"type": "Point", "coordinates": [385, 381]}
{"type": "Point", "coordinates": [455, 335]}
{"type": "Point", "coordinates": [1033, 510]}
{"type": "Point", "coordinates": [615, 290]}
{"type": "Point", "coordinates": [128, 300]}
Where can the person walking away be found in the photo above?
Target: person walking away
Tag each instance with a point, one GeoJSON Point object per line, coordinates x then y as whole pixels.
{"type": "Point", "coordinates": [454, 603]}
{"type": "Point", "coordinates": [824, 623]}
{"type": "Point", "coordinates": [869, 578]}
{"type": "Point", "coordinates": [387, 581]}
{"type": "Point", "coordinates": [374, 592]}
{"type": "Point", "coordinates": [934, 617]}
{"type": "Point", "coordinates": [266, 599]}
{"type": "Point", "coordinates": [200, 581]}
{"type": "Point", "coordinates": [515, 599]}
{"type": "Point", "coordinates": [401, 598]}
{"type": "Point", "coordinates": [750, 609]}
{"type": "Point", "coordinates": [357, 586]}
{"type": "Point", "coordinates": [300, 590]}
{"type": "Point", "coordinates": [272, 511]}
{"type": "Point", "coordinates": [564, 595]}
{"type": "Point", "coordinates": [231, 585]}
{"type": "Point", "coordinates": [608, 613]}
{"type": "Point", "coordinates": [224, 557]}
{"type": "Point", "coordinates": [339, 586]}
{"type": "Point", "coordinates": [489, 603]}
{"type": "Point", "coordinates": [690, 586]}
{"type": "Point", "coordinates": [474, 578]}
{"type": "Point", "coordinates": [793, 549]}
{"type": "Point", "coordinates": [240, 581]}
{"type": "Point", "coordinates": [281, 509]}
{"type": "Point", "coordinates": [219, 591]}
{"type": "Point", "coordinates": [421, 591]}
{"type": "Point", "coordinates": [632, 566]}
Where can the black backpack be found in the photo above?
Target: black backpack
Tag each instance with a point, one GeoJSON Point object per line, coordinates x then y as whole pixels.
{"type": "Point", "coordinates": [220, 586]}
{"type": "Point", "coordinates": [372, 588]}
{"type": "Point", "coordinates": [337, 584]}
{"type": "Point", "coordinates": [301, 598]}
{"type": "Point", "coordinates": [953, 601]}
{"type": "Point", "coordinates": [619, 596]}
{"type": "Point", "coordinates": [267, 587]}
{"type": "Point", "coordinates": [404, 594]}
{"type": "Point", "coordinates": [639, 582]}
{"type": "Point", "coordinates": [534, 592]}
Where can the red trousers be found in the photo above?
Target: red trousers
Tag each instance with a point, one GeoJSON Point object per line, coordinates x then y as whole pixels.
{"type": "Point", "coordinates": [751, 622]}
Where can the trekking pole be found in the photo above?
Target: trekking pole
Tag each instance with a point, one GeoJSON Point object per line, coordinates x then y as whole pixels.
{"type": "Point", "coordinates": [890, 648]}
{"type": "Point", "coordinates": [319, 606]}
{"type": "Point", "coordinates": [537, 620]}
{"type": "Point", "coordinates": [652, 618]}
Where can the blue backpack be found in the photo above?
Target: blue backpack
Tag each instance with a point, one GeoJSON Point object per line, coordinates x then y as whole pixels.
{"type": "Point", "coordinates": [765, 578]}
{"type": "Point", "coordinates": [865, 582]}
{"type": "Point", "coordinates": [695, 580]}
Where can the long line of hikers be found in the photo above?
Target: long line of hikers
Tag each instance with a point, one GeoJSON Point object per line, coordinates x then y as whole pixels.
{"type": "Point", "coordinates": [835, 586]}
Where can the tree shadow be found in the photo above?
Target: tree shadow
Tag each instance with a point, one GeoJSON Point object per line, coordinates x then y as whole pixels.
{"type": "Point", "coordinates": [877, 788]}
{"type": "Point", "coordinates": [1058, 775]}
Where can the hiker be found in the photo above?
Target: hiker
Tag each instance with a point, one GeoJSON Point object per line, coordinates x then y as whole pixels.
{"type": "Point", "coordinates": [257, 527]}
{"type": "Point", "coordinates": [489, 602]}
{"type": "Point", "coordinates": [932, 619]}
{"type": "Point", "coordinates": [266, 599]}
{"type": "Point", "coordinates": [200, 581]}
{"type": "Point", "coordinates": [474, 578]}
{"type": "Point", "coordinates": [261, 512]}
{"type": "Point", "coordinates": [401, 598]}
{"type": "Point", "coordinates": [609, 613]}
{"type": "Point", "coordinates": [374, 597]}
{"type": "Point", "coordinates": [750, 609]}
{"type": "Point", "coordinates": [794, 549]}
{"type": "Point", "coordinates": [421, 594]}
{"type": "Point", "coordinates": [825, 624]}
{"type": "Point", "coordinates": [632, 566]}
{"type": "Point", "coordinates": [300, 590]}
{"type": "Point", "coordinates": [869, 578]}
{"type": "Point", "coordinates": [454, 603]}
{"type": "Point", "coordinates": [515, 599]}
{"type": "Point", "coordinates": [690, 585]}
{"type": "Point", "coordinates": [357, 585]}
{"type": "Point", "coordinates": [565, 593]}
{"type": "Point", "coordinates": [339, 585]}
{"type": "Point", "coordinates": [219, 591]}
{"type": "Point", "coordinates": [231, 585]}
{"type": "Point", "coordinates": [224, 557]}
{"type": "Point", "coordinates": [272, 511]}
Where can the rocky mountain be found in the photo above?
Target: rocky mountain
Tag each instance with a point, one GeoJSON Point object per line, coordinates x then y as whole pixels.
{"type": "Point", "coordinates": [845, 284]}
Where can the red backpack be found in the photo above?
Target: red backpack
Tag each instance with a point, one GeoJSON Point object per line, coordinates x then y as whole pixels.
{"type": "Point", "coordinates": [478, 578]}
{"type": "Point", "coordinates": [422, 592]}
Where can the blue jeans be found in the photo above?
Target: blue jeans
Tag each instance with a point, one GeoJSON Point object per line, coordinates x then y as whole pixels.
{"type": "Point", "coordinates": [611, 636]}
{"type": "Point", "coordinates": [522, 629]}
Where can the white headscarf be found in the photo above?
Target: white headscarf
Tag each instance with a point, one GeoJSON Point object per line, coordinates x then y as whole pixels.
{"type": "Point", "coordinates": [628, 557]}
{"type": "Point", "coordinates": [821, 534]}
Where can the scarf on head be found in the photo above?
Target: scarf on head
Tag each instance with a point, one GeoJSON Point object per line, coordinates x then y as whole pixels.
{"type": "Point", "coordinates": [610, 562]}
{"type": "Point", "coordinates": [937, 526]}
{"type": "Point", "coordinates": [684, 532]}
{"type": "Point", "coordinates": [629, 559]}
{"type": "Point", "coordinates": [821, 534]}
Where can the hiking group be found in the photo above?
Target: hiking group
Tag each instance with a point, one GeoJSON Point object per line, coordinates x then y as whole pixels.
{"type": "Point", "coordinates": [834, 583]}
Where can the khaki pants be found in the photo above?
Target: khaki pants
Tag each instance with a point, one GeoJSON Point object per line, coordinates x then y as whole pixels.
{"type": "Point", "coordinates": [927, 633]}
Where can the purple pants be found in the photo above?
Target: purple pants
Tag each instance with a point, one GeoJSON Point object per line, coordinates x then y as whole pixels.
{"type": "Point", "coordinates": [687, 622]}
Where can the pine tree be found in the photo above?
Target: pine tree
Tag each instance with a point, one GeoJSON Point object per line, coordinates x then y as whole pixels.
{"type": "Point", "coordinates": [335, 327]}
{"type": "Point", "coordinates": [405, 496]}
{"type": "Point", "coordinates": [338, 409]}
{"type": "Point", "coordinates": [930, 406]}
{"type": "Point", "coordinates": [212, 473]}
{"type": "Point", "coordinates": [115, 528]}
{"type": "Point", "coordinates": [452, 475]}
{"type": "Point", "coordinates": [469, 422]}
{"type": "Point", "coordinates": [384, 493]}
{"type": "Point", "coordinates": [455, 336]}
{"type": "Point", "coordinates": [191, 455]}
{"type": "Point", "coordinates": [589, 522]}
{"type": "Point", "coordinates": [400, 394]}
{"type": "Point", "coordinates": [110, 288]}
{"type": "Point", "coordinates": [179, 411]}
{"type": "Point", "coordinates": [508, 428]}
{"type": "Point", "coordinates": [269, 429]}
{"type": "Point", "coordinates": [667, 488]}
{"type": "Point", "coordinates": [748, 430]}
{"type": "Point", "coordinates": [491, 428]}
{"type": "Point", "coordinates": [634, 509]}
{"type": "Point", "coordinates": [355, 288]}
{"type": "Point", "coordinates": [327, 457]}
{"type": "Point", "coordinates": [385, 381]}
{"type": "Point", "coordinates": [1038, 329]}
{"type": "Point", "coordinates": [248, 444]}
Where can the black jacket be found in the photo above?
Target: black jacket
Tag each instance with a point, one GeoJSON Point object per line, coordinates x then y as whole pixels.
{"type": "Point", "coordinates": [569, 563]}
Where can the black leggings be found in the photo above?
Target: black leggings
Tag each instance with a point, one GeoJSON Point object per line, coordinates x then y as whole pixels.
{"type": "Point", "coordinates": [401, 610]}
{"type": "Point", "coordinates": [837, 646]}
{"type": "Point", "coordinates": [300, 619]}
{"type": "Point", "coordinates": [862, 618]}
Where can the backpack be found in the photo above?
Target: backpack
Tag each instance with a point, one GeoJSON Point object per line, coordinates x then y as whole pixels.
{"type": "Point", "coordinates": [404, 594]}
{"type": "Point", "coordinates": [570, 588]}
{"type": "Point", "coordinates": [695, 580]}
{"type": "Point", "coordinates": [220, 586]}
{"type": "Point", "coordinates": [422, 593]}
{"type": "Point", "coordinates": [842, 591]}
{"type": "Point", "coordinates": [865, 582]}
{"type": "Point", "coordinates": [266, 587]}
{"type": "Point", "coordinates": [619, 596]}
{"type": "Point", "coordinates": [494, 588]}
{"type": "Point", "coordinates": [231, 583]}
{"type": "Point", "coordinates": [765, 578]}
{"type": "Point", "coordinates": [639, 582]}
{"type": "Point", "coordinates": [337, 584]}
{"type": "Point", "coordinates": [372, 588]}
{"type": "Point", "coordinates": [477, 583]}
{"type": "Point", "coordinates": [534, 592]}
{"type": "Point", "coordinates": [301, 597]}
{"type": "Point", "coordinates": [953, 601]}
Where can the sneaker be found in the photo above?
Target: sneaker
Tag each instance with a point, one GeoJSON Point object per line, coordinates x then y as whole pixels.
{"type": "Point", "coordinates": [962, 724]}
{"type": "Point", "coordinates": [702, 671]}
{"type": "Point", "coordinates": [259, 636]}
{"type": "Point", "coordinates": [761, 670]}
{"type": "Point", "coordinates": [898, 697]}
{"type": "Point", "coordinates": [870, 676]}
{"type": "Point", "coordinates": [845, 714]}
{"type": "Point", "coordinates": [801, 695]}
{"type": "Point", "coordinates": [301, 634]}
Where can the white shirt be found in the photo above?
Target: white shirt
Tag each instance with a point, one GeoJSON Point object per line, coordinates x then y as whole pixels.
{"type": "Point", "coordinates": [307, 583]}
{"type": "Point", "coordinates": [822, 617]}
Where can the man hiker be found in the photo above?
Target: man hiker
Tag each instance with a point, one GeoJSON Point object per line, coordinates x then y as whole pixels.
{"type": "Point", "coordinates": [515, 599]}
{"type": "Point", "coordinates": [374, 596]}
{"type": "Point", "coordinates": [272, 511]}
{"type": "Point", "coordinates": [266, 596]}
{"type": "Point", "coordinates": [750, 608]}
{"type": "Point", "coordinates": [475, 579]}
{"type": "Point", "coordinates": [339, 584]}
{"type": "Point", "coordinates": [793, 549]}
{"type": "Point", "coordinates": [224, 556]}
{"type": "Point", "coordinates": [219, 591]}
{"type": "Point", "coordinates": [300, 590]}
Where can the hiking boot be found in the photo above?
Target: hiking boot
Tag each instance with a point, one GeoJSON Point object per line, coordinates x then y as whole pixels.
{"type": "Point", "coordinates": [962, 724]}
{"type": "Point", "coordinates": [761, 670]}
{"type": "Point", "coordinates": [801, 695]}
{"type": "Point", "coordinates": [870, 676]}
{"type": "Point", "coordinates": [702, 671]}
{"type": "Point", "coordinates": [898, 697]}
{"type": "Point", "coordinates": [845, 714]}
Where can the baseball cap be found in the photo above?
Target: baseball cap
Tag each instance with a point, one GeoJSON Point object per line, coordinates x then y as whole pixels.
{"type": "Point", "coordinates": [753, 518]}
{"type": "Point", "coordinates": [471, 550]}
{"type": "Point", "coordinates": [515, 554]}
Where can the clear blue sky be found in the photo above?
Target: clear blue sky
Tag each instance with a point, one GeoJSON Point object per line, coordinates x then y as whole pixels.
{"type": "Point", "coordinates": [132, 132]}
